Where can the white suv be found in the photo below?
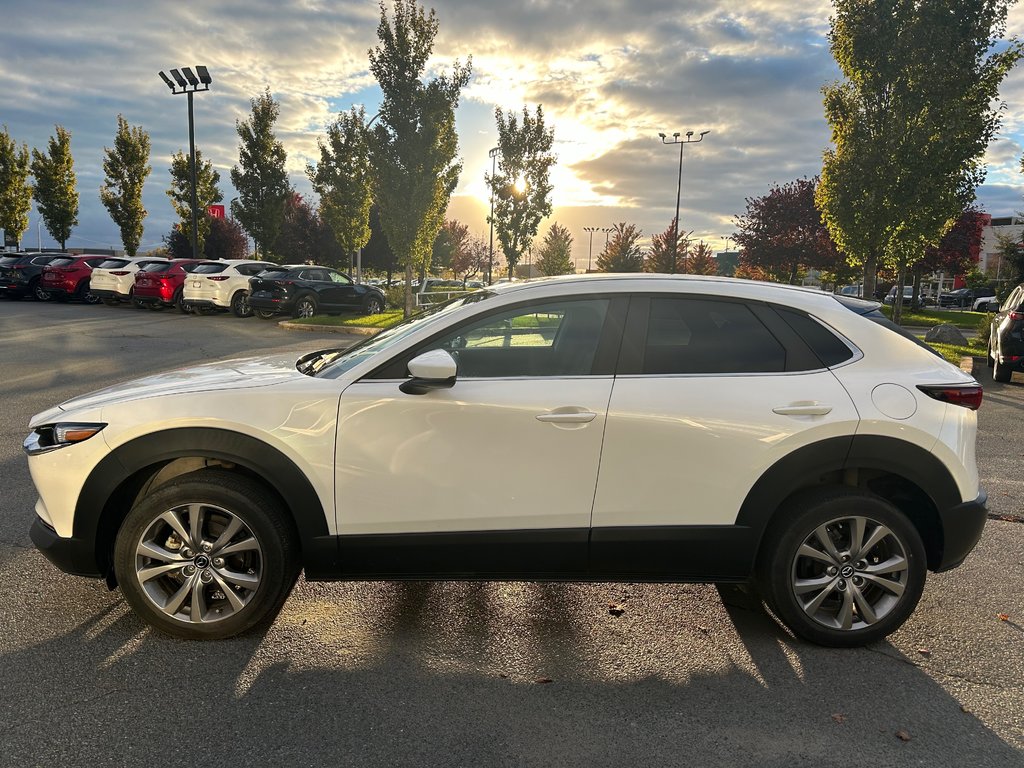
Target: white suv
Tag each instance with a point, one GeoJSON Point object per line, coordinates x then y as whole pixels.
{"type": "Point", "coordinates": [637, 428]}
{"type": "Point", "coordinates": [113, 281]}
{"type": "Point", "coordinates": [222, 285]}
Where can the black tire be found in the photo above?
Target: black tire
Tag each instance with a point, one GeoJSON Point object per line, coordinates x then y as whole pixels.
{"type": "Point", "coordinates": [783, 568]}
{"type": "Point", "coordinates": [178, 301]}
{"type": "Point", "coordinates": [1001, 372]}
{"type": "Point", "coordinates": [373, 305]}
{"type": "Point", "coordinates": [85, 295]}
{"type": "Point", "coordinates": [305, 306]}
{"type": "Point", "coordinates": [265, 314]}
{"type": "Point", "coordinates": [37, 292]}
{"type": "Point", "coordinates": [240, 306]}
{"type": "Point", "coordinates": [260, 577]}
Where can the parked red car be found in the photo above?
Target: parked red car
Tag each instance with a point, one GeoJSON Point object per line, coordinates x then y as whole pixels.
{"type": "Point", "coordinates": [67, 277]}
{"type": "Point", "coordinates": [160, 285]}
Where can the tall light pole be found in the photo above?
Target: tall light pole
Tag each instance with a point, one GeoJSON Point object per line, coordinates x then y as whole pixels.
{"type": "Point", "coordinates": [590, 249]}
{"type": "Point", "coordinates": [188, 83]}
{"type": "Point", "coordinates": [493, 154]}
{"type": "Point", "coordinates": [679, 184]}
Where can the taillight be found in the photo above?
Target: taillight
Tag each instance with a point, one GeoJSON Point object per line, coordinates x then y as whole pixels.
{"type": "Point", "coordinates": [968, 396]}
{"type": "Point", "coordinates": [217, 278]}
{"type": "Point", "coordinates": [1016, 315]}
{"type": "Point", "coordinates": [121, 273]}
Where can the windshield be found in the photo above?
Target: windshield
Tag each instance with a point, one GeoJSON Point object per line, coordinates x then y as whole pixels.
{"type": "Point", "coordinates": [332, 364]}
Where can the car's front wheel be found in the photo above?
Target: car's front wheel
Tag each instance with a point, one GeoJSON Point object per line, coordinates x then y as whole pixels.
{"type": "Point", "coordinates": [842, 567]}
{"type": "Point", "coordinates": [206, 556]}
{"type": "Point", "coordinates": [240, 306]}
{"type": "Point", "coordinates": [373, 305]}
{"type": "Point", "coordinates": [305, 307]}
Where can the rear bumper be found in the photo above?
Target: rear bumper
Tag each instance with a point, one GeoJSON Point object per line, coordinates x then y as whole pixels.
{"type": "Point", "coordinates": [962, 526]}
{"type": "Point", "coordinates": [103, 293]}
{"type": "Point", "coordinates": [203, 303]}
{"type": "Point", "coordinates": [265, 304]}
{"type": "Point", "coordinates": [75, 556]}
{"type": "Point", "coordinates": [143, 298]}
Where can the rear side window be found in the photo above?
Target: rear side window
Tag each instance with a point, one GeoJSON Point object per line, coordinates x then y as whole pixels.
{"type": "Point", "coordinates": [826, 346]}
{"type": "Point", "coordinates": [209, 269]}
{"type": "Point", "coordinates": [41, 260]}
{"type": "Point", "coordinates": [112, 263]}
{"type": "Point", "coordinates": [250, 269]}
{"type": "Point", "coordinates": [9, 261]}
{"type": "Point", "coordinates": [687, 335]}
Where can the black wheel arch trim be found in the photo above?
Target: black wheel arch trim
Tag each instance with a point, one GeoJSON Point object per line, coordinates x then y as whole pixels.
{"type": "Point", "coordinates": [263, 460]}
{"type": "Point", "coordinates": [804, 466]}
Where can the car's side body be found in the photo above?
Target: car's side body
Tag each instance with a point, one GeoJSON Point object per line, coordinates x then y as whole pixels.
{"type": "Point", "coordinates": [282, 290]}
{"type": "Point", "coordinates": [1006, 337]}
{"type": "Point", "coordinates": [374, 479]}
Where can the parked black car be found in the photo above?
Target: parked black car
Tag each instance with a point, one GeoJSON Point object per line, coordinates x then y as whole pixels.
{"type": "Point", "coordinates": [964, 297]}
{"type": "Point", "coordinates": [20, 274]}
{"type": "Point", "coordinates": [303, 290]}
{"type": "Point", "coordinates": [1006, 340]}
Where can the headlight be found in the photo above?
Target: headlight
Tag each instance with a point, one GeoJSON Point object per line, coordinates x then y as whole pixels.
{"type": "Point", "coordinates": [50, 437]}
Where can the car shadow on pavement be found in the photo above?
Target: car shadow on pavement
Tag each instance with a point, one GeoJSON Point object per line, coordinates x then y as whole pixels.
{"type": "Point", "coordinates": [465, 673]}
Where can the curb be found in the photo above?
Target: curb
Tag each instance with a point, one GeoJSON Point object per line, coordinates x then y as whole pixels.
{"type": "Point", "coordinates": [356, 330]}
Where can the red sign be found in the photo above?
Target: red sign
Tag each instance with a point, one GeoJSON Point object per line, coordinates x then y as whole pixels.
{"type": "Point", "coordinates": [215, 211]}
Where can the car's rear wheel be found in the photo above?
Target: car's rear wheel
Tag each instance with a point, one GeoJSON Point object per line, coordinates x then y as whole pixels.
{"type": "Point", "coordinates": [305, 307]}
{"type": "Point", "coordinates": [372, 305]}
{"type": "Point", "coordinates": [179, 302]}
{"type": "Point", "coordinates": [86, 295]}
{"type": "Point", "coordinates": [37, 291]}
{"type": "Point", "coordinates": [842, 567]}
{"type": "Point", "coordinates": [206, 556]}
{"type": "Point", "coordinates": [240, 306]}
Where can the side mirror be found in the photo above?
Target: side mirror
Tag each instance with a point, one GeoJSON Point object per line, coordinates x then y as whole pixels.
{"type": "Point", "coordinates": [435, 369]}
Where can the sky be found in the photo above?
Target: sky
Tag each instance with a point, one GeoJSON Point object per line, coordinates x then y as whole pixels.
{"type": "Point", "coordinates": [610, 76]}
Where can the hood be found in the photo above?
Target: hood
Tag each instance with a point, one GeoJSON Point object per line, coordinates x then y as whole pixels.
{"type": "Point", "coordinates": [229, 374]}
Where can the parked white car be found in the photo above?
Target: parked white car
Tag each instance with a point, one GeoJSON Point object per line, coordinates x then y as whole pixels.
{"type": "Point", "coordinates": [222, 285]}
{"type": "Point", "coordinates": [649, 427]}
{"type": "Point", "coordinates": [113, 281]}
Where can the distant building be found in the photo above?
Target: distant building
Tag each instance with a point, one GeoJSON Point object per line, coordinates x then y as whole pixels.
{"type": "Point", "coordinates": [997, 227]}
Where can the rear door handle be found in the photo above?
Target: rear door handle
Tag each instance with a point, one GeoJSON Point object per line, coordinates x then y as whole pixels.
{"type": "Point", "coordinates": [572, 417]}
{"type": "Point", "coordinates": [803, 409]}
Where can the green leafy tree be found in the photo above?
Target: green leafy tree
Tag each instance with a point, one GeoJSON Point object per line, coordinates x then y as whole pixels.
{"type": "Point", "coordinates": [663, 257]}
{"type": "Point", "coordinates": [342, 179]}
{"type": "Point", "coordinates": [910, 123]}
{"type": "Point", "coordinates": [260, 176]}
{"type": "Point", "coordinates": [622, 254]}
{"type": "Point", "coordinates": [451, 241]}
{"type": "Point", "coordinates": [414, 145]}
{"type": "Point", "coordinates": [305, 237]}
{"type": "Point", "coordinates": [15, 192]}
{"type": "Point", "coordinates": [55, 188]}
{"type": "Point", "coordinates": [470, 260]}
{"type": "Point", "coordinates": [180, 193]}
{"type": "Point", "coordinates": [702, 261]}
{"type": "Point", "coordinates": [377, 253]}
{"type": "Point", "coordinates": [1010, 252]}
{"type": "Point", "coordinates": [126, 168]}
{"type": "Point", "coordinates": [782, 232]}
{"type": "Point", "coordinates": [555, 254]}
{"type": "Point", "coordinates": [521, 186]}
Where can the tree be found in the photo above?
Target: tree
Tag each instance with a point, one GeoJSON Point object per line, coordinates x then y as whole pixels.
{"type": "Point", "coordinates": [260, 176]}
{"type": "Point", "coordinates": [126, 168]}
{"type": "Point", "coordinates": [470, 260]}
{"type": "Point", "coordinates": [1010, 255]}
{"type": "Point", "coordinates": [521, 187]}
{"type": "Point", "coordinates": [55, 188]}
{"type": "Point", "coordinates": [663, 257]}
{"type": "Point", "coordinates": [377, 253]}
{"type": "Point", "coordinates": [622, 254]}
{"type": "Point", "coordinates": [910, 123]}
{"type": "Point", "coordinates": [225, 240]}
{"type": "Point", "coordinates": [342, 179]}
{"type": "Point", "coordinates": [305, 237]}
{"type": "Point", "coordinates": [451, 241]}
{"type": "Point", "coordinates": [15, 192]}
{"type": "Point", "coordinates": [783, 234]}
{"type": "Point", "coordinates": [207, 193]}
{"type": "Point", "coordinates": [702, 261]}
{"type": "Point", "coordinates": [555, 254]}
{"type": "Point", "coordinates": [414, 145]}
{"type": "Point", "coordinates": [958, 252]}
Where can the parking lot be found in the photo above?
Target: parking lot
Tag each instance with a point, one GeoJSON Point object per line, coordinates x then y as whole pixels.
{"type": "Point", "coordinates": [479, 674]}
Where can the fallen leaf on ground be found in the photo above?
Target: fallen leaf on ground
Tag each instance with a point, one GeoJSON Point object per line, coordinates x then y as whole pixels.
{"type": "Point", "coordinates": [1003, 616]}
{"type": "Point", "coordinates": [543, 680]}
{"type": "Point", "coordinates": [902, 735]}
{"type": "Point", "coordinates": [924, 652]}
{"type": "Point", "coordinates": [615, 609]}
{"type": "Point", "coordinates": [839, 718]}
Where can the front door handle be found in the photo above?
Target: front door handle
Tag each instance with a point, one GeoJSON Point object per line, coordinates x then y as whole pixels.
{"type": "Point", "coordinates": [567, 417]}
{"type": "Point", "coordinates": [803, 409]}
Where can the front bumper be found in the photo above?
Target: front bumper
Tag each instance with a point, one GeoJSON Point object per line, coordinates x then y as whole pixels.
{"type": "Point", "coordinates": [74, 556]}
{"type": "Point", "coordinates": [962, 526]}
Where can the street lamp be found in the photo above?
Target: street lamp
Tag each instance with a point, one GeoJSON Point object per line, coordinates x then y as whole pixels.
{"type": "Point", "coordinates": [493, 154]}
{"type": "Point", "coordinates": [679, 184]}
{"type": "Point", "coordinates": [590, 249]}
{"type": "Point", "coordinates": [186, 81]}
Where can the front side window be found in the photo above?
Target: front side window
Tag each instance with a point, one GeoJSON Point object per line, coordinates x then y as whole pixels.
{"type": "Point", "coordinates": [555, 339]}
{"type": "Point", "coordinates": [695, 336]}
{"type": "Point", "coordinates": [339, 278]}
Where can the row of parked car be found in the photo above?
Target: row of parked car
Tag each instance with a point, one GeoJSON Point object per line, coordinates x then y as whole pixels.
{"type": "Point", "coordinates": [243, 287]}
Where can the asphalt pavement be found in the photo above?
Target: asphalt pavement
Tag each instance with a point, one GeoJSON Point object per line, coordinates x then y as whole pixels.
{"type": "Point", "coordinates": [478, 674]}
